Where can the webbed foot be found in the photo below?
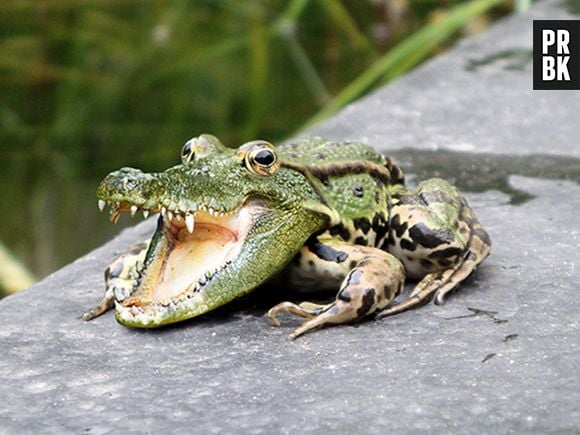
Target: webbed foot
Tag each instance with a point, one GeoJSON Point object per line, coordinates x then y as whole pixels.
{"type": "Point", "coordinates": [371, 285]}
{"type": "Point", "coordinates": [436, 286]}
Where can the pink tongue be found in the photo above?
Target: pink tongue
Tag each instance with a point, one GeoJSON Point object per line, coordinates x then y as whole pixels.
{"type": "Point", "coordinates": [208, 231]}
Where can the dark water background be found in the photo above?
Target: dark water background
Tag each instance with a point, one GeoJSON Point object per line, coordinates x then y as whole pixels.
{"type": "Point", "coordinates": [88, 86]}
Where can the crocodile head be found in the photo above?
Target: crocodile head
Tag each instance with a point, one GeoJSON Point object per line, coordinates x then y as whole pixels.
{"type": "Point", "coordinates": [228, 221]}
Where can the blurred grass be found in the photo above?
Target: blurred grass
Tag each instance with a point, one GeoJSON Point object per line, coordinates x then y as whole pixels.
{"type": "Point", "coordinates": [87, 86]}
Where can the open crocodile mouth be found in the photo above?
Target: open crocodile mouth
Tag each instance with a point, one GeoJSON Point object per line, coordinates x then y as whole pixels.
{"type": "Point", "coordinates": [187, 252]}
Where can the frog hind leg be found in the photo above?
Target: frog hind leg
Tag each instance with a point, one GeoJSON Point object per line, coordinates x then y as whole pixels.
{"type": "Point", "coordinates": [372, 279]}
{"type": "Point", "coordinates": [120, 275]}
{"type": "Point", "coordinates": [454, 245]}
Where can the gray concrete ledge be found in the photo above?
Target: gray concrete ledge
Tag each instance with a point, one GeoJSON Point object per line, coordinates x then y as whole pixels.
{"type": "Point", "coordinates": [501, 356]}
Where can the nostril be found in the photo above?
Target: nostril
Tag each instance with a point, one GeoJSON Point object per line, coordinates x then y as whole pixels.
{"type": "Point", "coordinates": [128, 183]}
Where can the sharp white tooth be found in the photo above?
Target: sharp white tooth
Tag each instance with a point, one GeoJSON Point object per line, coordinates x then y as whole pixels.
{"type": "Point", "coordinates": [189, 222]}
{"type": "Point", "coordinates": [102, 204]}
{"type": "Point", "coordinates": [134, 209]}
{"type": "Point", "coordinates": [169, 214]}
{"type": "Point", "coordinates": [163, 211]}
{"type": "Point", "coordinates": [145, 214]}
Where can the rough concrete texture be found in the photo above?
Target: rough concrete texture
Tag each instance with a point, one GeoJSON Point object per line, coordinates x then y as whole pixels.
{"type": "Point", "coordinates": [501, 356]}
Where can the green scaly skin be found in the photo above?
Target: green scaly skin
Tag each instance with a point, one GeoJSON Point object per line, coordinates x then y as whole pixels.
{"type": "Point", "coordinates": [313, 214]}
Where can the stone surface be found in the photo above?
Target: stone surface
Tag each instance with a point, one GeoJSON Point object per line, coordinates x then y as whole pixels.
{"type": "Point", "coordinates": [501, 356]}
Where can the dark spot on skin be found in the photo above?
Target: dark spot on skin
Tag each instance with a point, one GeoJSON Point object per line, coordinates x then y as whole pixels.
{"type": "Point", "coordinates": [391, 239]}
{"type": "Point", "coordinates": [361, 241]}
{"type": "Point", "coordinates": [380, 226]}
{"type": "Point", "coordinates": [319, 156]}
{"type": "Point", "coordinates": [116, 269]}
{"type": "Point", "coordinates": [378, 196]}
{"type": "Point", "coordinates": [352, 264]}
{"type": "Point", "coordinates": [326, 182]}
{"type": "Point", "coordinates": [354, 277]}
{"type": "Point", "coordinates": [327, 253]}
{"type": "Point", "coordinates": [426, 264]}
{"type": "Point", "coordinates": [341, 231]}
{"type": "Point", "coordinates": [444, 263]}
{"type": "Point", "coordinates": [364, 262]}
{"type": "Point", "coordinates": [395, 221]}
{"type": "Point", "coordinates": [344, 296]}
{"type": "Point", "coordinates": [368, 300]}
{"type": "Point", "coordinates": [362, 224]}
{"type": "Point", "coordinates": [428, 237]}
{"type": "Point", "coordinates": [450, 252]}
{"type": "Point", "coordinates": [510, 337]}
{"type": "Point", "coordinates": [381, 242]}
{"type": "Point", "coordinates": [358, 191]}
{"type": "Point", "coordinates": [482, 235]}
{"type": "Point", "coordinates": [396, 228]}
{"type": "Point", "coordinates": [401, 229]}
{"type": "Point", "coordinates": [378, 221]}
{"type": "Point", "coordinates": [407, 245]}
{"type": "Point", "coordinates": [385, 245]}
{"type": "Point", "coordinates": [387, 292]}
{"type": "Point", "coordinates": [311, 263]}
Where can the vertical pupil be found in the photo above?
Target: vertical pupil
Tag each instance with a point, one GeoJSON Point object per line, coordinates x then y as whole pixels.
{"type": "Point", "coordinates": [264, 157]}
{"type": "Point", "coordinates": [186, 149]}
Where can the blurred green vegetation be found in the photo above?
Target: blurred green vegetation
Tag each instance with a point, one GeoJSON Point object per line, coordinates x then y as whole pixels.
{"type": "Point", "coordinates": [87, 86]}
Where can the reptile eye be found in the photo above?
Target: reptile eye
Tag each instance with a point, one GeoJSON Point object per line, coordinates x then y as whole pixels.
{"type": "Point", "coordinates": [261, 158]}
{"type": "Point", "coordinates": [187, 153]}
{"type": "Point", "coordinates": [265, 158]}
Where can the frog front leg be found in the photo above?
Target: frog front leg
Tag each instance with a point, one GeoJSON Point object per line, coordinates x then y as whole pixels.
{"type": "Point", "coordinates": [120, 277]}
{"type": "Point", "coordinates": [437, 236]}
{"type": "Point", "coordinates": [371, 279]}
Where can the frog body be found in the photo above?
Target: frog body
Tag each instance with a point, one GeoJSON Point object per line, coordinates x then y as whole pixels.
{"type": "Point", "coordinates": [311, 215]}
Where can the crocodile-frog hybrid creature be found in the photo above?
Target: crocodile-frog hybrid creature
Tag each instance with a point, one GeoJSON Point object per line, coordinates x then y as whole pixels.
{"type": "Point", "coordinates": [310, 215]}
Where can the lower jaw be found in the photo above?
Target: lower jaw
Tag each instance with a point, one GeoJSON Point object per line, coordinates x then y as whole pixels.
{"type": "Point", "coordinates": [154, 315]}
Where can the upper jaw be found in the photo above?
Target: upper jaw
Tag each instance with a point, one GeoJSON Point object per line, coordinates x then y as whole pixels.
{"type": "Point", "coordinates": [131, 190]}
{"type": "Point", "coordinates": [168, 210]}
